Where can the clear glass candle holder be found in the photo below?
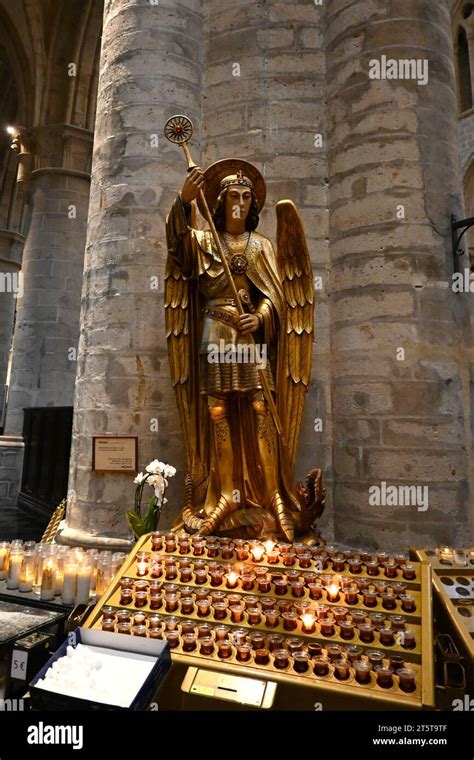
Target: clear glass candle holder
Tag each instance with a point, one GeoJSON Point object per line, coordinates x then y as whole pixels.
{"type": "Point", "coordinates": [257, 640]}
{"type": "Point", "coordinates": [171, 602]}
{"type": "Point", "coordinates": [237, 613]}
{"type": "Point", "coordinates": [203, 607]}
{"type": "Point", "coordinates": [172, 638]}
{"type": "Point", "coordinates": [281, 586]}
{"type": "Point", "coordinates": [300, 662]}
{"type": "Point", "coordinates": [189, 642]}
{"type": "Point", "coordinates": [387, 637]}
{"type": "Point", "coordinates": [275, 641]}
{"type": "Point", "coordinates": [290, 621]}
{"type": "Point", "coordinates": [219, 610]}
{"type": "Point", "coordinates": [354, 652]}
{"type": "Point", "coordinates": [408, 602]}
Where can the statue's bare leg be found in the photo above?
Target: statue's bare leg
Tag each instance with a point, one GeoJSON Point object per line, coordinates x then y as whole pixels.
{"type": "Point", "coordinates": [219, 412]}
{"type": "Point", "coordinates": [269, 462]}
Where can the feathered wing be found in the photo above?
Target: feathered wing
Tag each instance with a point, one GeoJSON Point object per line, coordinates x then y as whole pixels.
{"type": "Point", "coordinates": [294, 267]}
{"type": "Point", "coordinates": [179, 349]}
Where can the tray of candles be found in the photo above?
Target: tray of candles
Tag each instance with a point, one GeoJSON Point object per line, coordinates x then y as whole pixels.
{"type": "Point", "coordinates": [325, 622]}
{"type": "Point", "coordinates": [453, 581]}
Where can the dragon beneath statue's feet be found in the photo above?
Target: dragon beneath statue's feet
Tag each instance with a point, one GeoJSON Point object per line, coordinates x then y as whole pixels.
{"type": "Point", "coordinates": [255, 522]}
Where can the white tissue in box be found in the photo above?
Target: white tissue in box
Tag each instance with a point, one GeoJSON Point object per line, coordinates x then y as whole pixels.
{"type": "Point", "coordinates": [99, 675]}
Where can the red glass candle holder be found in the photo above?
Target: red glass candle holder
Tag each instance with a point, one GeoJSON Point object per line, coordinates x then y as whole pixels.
{"type": "Point", "coordinates": [254, 615]}
{"type": "Point", "coordinates": [321, 666]}
{"type": "Point", "coordinates": [355, 565]}
{"type": "Point", "coordinates": [372, 568]}
{"type": "Point", "coordinates": [126, 596]}
{"type": "Point", "coordinates": [315, 590]}
{"type": "Point", "coordinates": [297, 589]}
{"type": "Point", "coordinates": [289, 558]}
{"type": "Point", "coordinates": [387, 637]}
{"type": "Point", "coordinates": [375, 658]}
{"type": "Point", "coordinates": [156, 600]}
{"type": "Point", "coordinates": [304, 560]}
{"type": "Point", "coordinates": [217, 576]}
{"type": "Point", "coordinates": [224, 649]}
{"type": "Point", "coordinates": [244, 652]}
{"type": "Point", "coordinates": [354, 652]}
{"type": "Point", "coordinates": [156, 542]}
{"type": "Point", "coordinates": [358, 616]}
{"type": "Point", "coordinates": [124, 627]}
{"type": "Point", "coordinates": [384, 676]}
{"type": "Point", "coordinates": [219, 610]}
{"type": "Point", "coordinates": [339, 614]}
{"type": "Point", "coordinates": [262, 656]}
{"type": "Point", "coordinates": [221, 632]}
{"type": "Point", "coordinates": [272, 618]}
{"type": "Point", "coordinates": [409, 572]}
{"type": "Point", "coordinates": [198, 548]}
{"type": "Point", "coordinates": [170, 545]}
{"type": "Point", "coordinates": [396, 662]}
{"type": "Point", "coordinates": [370, 598]}
{"type": "Point", "coordinates": [362, 671]}
{"type": "Point", "coordinates": [227, 552]}
{"type": "Point", "coordinates": [171, 602]}
{"type": "Point", "coordinates": [281, 586]}
{"type": "Point", "coordinates": [389, 601]}
{"type": "Point", "coordinates": [140, 599]}
{"type": "Point", "coordinates": [204, 631]}
{"type": "Point", "coordinates": [201, 593]}
{"type": "Point", "coordinates": [390, 569]}
{"type": "Point", "coordinates": [203, 607]}
{"type": "Point", "coordinates": [314, 649]}
{"type": "Point", "coordinates": [300, 662]}
{"type": "Point", "coordinates": [407, 679]}
{"type": "Point", "coordinates": [341, 669]}
{"type": "Point", "coordinates": [398, 622]}
{"type": "Point", "coordinates": [281, 659]}
{"type": "Point", "coordinates": [200, 576]}
{"type": "Point", "coordinates": [267, 603]}
{"type": "Point", "coordinates": [351, 596]}
{"type": "Point", "coordinates": [407, 639]}
{"type": "Point", "coordinates": [184, 545]}
{"type": "Point", "coordinates": [237, 613]}
{"type": "Point", "coordinates": [290, 621]}
{"type": "Point", "coordinates": [172, 638]}
{"type": "Point", "coordinates": [275, 641]}
{"type": "Point", "coordinates": [171, 572]}
{"type": "Point", "coordinates": [206, 646]}
{"type": "Point", "coordinates": [239, 636]}
{"type": "Point", "coordinates": [189, 642]}
{"type": "Point", "coordinates": [155, 621]}
{"type": "Point", "coordinates": [233, 600]}
{"type": "Point", "coordinates": [212, 550]}
{"type": "Point", "coordinates": [108, 625]}
{"type": "Point", "coordinates": [186, 574]}
{"type": "Point", "coordinates": [408, 602]}
{"type": "Point", "coordinates": [346, 630]}
{"type": "Point", "coordinates": [366, 633]}
{"type": "Point", "coordinates": [293, 644]}
{"type": "Point", "coordinates": [327, 627]}
{"type": "Point", "coordinates": [257, 640]}
{"type": "Point", "coordinates": [263, 584]}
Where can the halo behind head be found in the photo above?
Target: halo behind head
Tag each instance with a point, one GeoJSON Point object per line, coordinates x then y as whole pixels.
{"type": "Point", "coordinates": [233, 171]}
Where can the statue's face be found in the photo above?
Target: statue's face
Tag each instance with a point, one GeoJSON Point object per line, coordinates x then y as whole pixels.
{"type": "Point", "coordinates": [237, 202]}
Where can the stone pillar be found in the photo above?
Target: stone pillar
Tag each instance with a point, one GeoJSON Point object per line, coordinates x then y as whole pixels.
{"type": "Point", "coordinates": [11, 246]}
{"type": "Point", "coordinates": [150, 69]}
{"type": "Point", "coordinates": [265, 102]}
{"type": "Point", "coordinates": [47, 323]}
{"type": "Point", "coordinates": [47, 328]}
{"type": "Point", "coordinates": [400, 336]}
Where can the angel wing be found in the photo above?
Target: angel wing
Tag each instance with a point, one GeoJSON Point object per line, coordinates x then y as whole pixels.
{"type": "Point", "coordinates": [178, 338]}
{"type": "Point", "coordinates": [296, 276]}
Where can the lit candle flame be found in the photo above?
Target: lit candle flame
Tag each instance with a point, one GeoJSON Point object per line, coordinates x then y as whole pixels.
{"type": "Point", "coordinates": [257, 553]}
{"type": "Point", "coordinates": [269, 546]}
{"type": "Point", "coordinates": [308, 620]}
{"type": "Point", "coordinates": [333, 590]}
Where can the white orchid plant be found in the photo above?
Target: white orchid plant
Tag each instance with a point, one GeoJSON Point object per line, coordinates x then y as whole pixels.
{"type": "Point", "coordinates": [156, 475]}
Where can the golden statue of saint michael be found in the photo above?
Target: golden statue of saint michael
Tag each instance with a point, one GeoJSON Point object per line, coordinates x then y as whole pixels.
{"type": "Point", "coordinates": [240, 335]}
